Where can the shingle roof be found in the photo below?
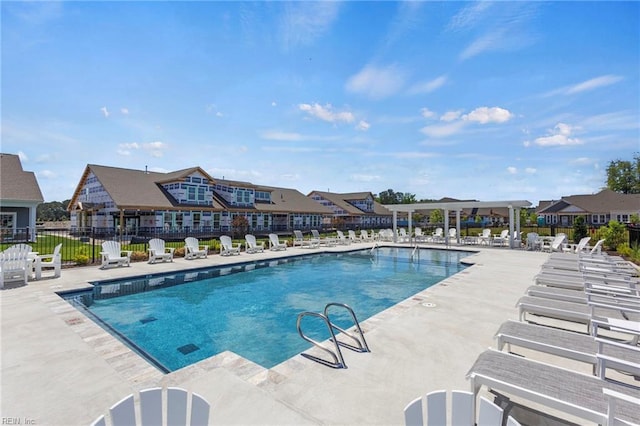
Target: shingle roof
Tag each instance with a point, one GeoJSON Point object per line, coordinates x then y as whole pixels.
{"type": "Point", "coordinates": [342, 201]}
{"type": "Point", "coordinates": [290, 200]}
{"type": "Point", "coordinates": [15, 183]}
{"type": "Point", "coordinates": [603, 202]}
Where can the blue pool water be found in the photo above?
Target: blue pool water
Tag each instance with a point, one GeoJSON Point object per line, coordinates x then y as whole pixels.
{"type": "Point", "coordinates": [251, 309]}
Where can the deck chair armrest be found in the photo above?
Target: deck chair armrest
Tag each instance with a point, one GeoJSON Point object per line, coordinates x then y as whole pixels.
{"type": "Point", "coordinates": [204, 248]}
{"type": "Point", "coordinates": [607, 361]}
{"type": "Point", "coordinates": [126, 252]}
{"type": "Point", "coordinates": [623, 326]}
{"type": "Point", "coordinates": [169, 249]}
{"type": "Point", "coordinates": [621, 396]}
{"type": "Point", "coordinates": [45, 256]}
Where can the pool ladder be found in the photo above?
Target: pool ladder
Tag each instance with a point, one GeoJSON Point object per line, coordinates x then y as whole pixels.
{"type": "Point", "coordinates": [336, 354]}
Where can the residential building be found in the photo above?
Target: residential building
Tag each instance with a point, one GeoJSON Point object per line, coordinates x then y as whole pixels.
{"type": "Point", "coordinates": [356, 209]}
{"type": "Point", "coordinates": [597, 209]}
{"type": "Point", "coordinates": [20, 196]}
{"type": "Point", "coordinates": [139, 202]}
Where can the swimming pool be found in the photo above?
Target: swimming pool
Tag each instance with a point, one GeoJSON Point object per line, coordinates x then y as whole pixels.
{"type": "Point", "coordinates": [178, 319]}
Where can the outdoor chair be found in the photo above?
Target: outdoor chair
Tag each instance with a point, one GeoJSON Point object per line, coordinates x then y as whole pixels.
{"type": "Point", "coordinates": [275, 244]}
{"type": "Point", "coordinates": [193, 249]}
{"type": "Point", "coordinates": [16, 264]}
{"type": "Point", "coordinates": [180, 409]}
{"type": "Point", "coordinates": [342, 239]}
{"type": "Point", "coordinates": [49, 261]}
{"type": "Point", "coordinates": [227, 248]}
{"type": "Point", "coordinates": [158, 251]}
{"type": "Point", "coordinates": [112, 254]}
{"type": "Point", "coordinates": [299, 240]}
{"type": "Point", "coordinates": [252, 244]}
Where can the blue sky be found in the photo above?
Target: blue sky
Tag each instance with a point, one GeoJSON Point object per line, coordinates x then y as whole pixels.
{"type": "Point", "coordinates": [471, 100]}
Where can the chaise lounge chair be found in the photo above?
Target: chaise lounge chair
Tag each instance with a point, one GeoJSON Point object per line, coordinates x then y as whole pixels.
{"type": "Point", "coordinates": [568, 391]}
{"type": "Point", "coordinates": [300, 241]}
{"type": "Point", "coordinates": [342, 239]}
{"type": "Point", "coordinates": [112, 254]}
{"type": "Point", "coordinates": [275, 244]}
{"type": "Point", "coordinates": [328, 241]}
{"type": "Point", "coordinates": [227, 248]}
{"type": "Point", "coordinates": [158, 251]}
{"type": "Point", "coordinates": [193, 249]}
{"type": "Point", "coordinates": [252, 244]}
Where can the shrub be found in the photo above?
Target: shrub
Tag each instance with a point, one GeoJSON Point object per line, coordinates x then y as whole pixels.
{"type": "Point", "coordinates": [138, 256]}
{"type": "Point", "coordinates": [179, 252]}
{"type": "Point", "coordinates": [579, 229]}
{"type": "Point", "coordinates": [631, 252]}
{"type": "Point", "coordinates": [81, 259]}
{"type": "Point", "coordinates": [613, 233]}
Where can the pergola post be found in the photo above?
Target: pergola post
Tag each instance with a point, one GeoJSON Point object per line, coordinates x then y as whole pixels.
{"type": "Point", "coordinates": [395, 226]}
{"type": "Point", "coordinates": [511, 226]}
{"type": "Point", "coordinates": [458, 227]}
{"type": "Point", "coordinates": [446, 227]}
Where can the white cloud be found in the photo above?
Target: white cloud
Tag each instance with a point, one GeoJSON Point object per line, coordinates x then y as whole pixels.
{"type": "Point", "coordinates": [305, 22]}
{"type": "Point", "coordinates": [413, 155]}
{"type": "Point", "coordinates": [104, 111]}
{"type": "Point", "coordinates": [273, 104]}
{"type": "Point", "coordinates": [365, 178]}
{"type": "Point", "coordinates": [124, 111]}
{"type": "Point", "coordinates": [427, 113]}
{"type": "Point", "coordinates": [451, 115]}
{"type": "Point", "coordinates": [488, 42]}
{"type": "Point", "coordinates": [429, 86]}
{"type": "Point", "coordinates": [559, 136]}
{"type": "Point", "coordinates": [281, 136]}
{"type": "Point", "coordinates": [156, 149]}
{"type": "Point", "coordinates": [531, 170]}
{"type": "Point", "coordinates": [363, 125]}
{"type": "Point", "coordinates": [46, 174]}
{"type": "Point", "coordinates": [582, 161]}
{"type": "Point", "coordinates": [325, 113]}
{"type": "Point", "coordinates": [594, 83]}
{"type": "Point", "coordinates": [375, 82]}
{"type": "Point", "coordinates": [469, 16]}
{"type": "Point", "coordinates": [512, 170]}
{"type": "Point", "coordinates": [484, 115]}
{"type": "Point", "coordinates": [442, 130]}
{"type": "Point", "coordinates": [127, 146]}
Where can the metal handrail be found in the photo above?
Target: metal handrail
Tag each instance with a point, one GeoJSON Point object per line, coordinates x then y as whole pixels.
{"type": "Point", "coordinates": [338, 360]}
{"type": "Point", "coordinates": [362, 345]}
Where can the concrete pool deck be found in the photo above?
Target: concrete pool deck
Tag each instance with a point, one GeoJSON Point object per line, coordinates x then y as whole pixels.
{"type": "Point", "coordinates": [60, 368]}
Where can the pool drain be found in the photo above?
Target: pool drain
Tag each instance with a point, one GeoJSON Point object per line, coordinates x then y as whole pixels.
{"type": "Point", "coordinates": [429, 305]}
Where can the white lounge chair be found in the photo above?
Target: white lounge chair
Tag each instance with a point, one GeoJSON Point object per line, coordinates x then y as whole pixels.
{"type": "Point", "coordinates": [193, 249]}
{"type": "Point", "coordinates": [484, 238]}
{"type": "Point", "coordinates": [300, 241]}
{"type": "Point", "coordinates": [15, 264]}
{"type": "Point", "coordinates": [435, 404]}
{"type": "Point", "coordinates": [328, 241]}
{"type": "Point", "coordinates": [554, 245]}
{"type": "Point", "coordinates": [158, 251]}
{"type": "Point", "coordinates": [352, 236]}
{"type": "Point", "coordinates": [342, 239]}
{"type": "Point", "coordinates": [252, 244]}
{"type": "Point", "coordinates": [49, 261]}
{"type": "Point", "coordinates": [533, 241]}
{"type": "Point", "coordinates": [181, 409]}
{"type": "Point", "coordinates": [275, 244]}
{"type": "Point", "coordinates": [227, 248]}
{"type": "Point", "coordinates": [112, 254]}
{"type": "Point", "coordinates": [437, 236]}
{"type": "Point", "coordinates": [501, 239]}
{"type": "Point", "coordinates": [564, 390]}
{"type": "Point", "coordinates": [576, 248]}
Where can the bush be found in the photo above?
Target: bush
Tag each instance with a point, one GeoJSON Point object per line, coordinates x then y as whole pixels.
{"type": "Point", "coordinates": [179, 252]}
{"type": "Point", "coordinates": [613, 234]}
{"type": "Point", "coordinates": [138, 256]}
{"type": "Point", "coordinates": [579, 229]}
{"type": "Point", "coordinates": [631, 252]}
{"type": "Point", "coordinates": [81, 259]}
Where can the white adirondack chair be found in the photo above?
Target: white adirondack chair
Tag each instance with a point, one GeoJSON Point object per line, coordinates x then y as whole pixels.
{"type": "Point", "coordinates": [15, 264]}
{"type": "Point", "coordinates": [158, 251]}
{"type": "Point", "coordinates": [151, 410]}
{"type": "Point", "coordinates": [112, 254]}
{"type": "Point", "coordinates": [193, 249]}
{"type": "Point", "coordinates": [227, 248]}
{"type": "Point", "coordinates": [49, 261]}
{"type": "Point", "coordinates": [275, 244]}
{"type": "Point", "coordinates": [252, 244]}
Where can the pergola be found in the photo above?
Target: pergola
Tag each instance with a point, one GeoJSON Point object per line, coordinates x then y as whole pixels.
{"type": "Point", "coordinates": [514, 207]}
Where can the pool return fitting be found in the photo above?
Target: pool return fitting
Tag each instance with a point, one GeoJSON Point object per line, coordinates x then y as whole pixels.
{"type": "Point", "coordinates": [336, 354]}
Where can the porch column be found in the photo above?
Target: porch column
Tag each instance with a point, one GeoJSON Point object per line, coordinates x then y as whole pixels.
{"type": "Point", "coordinates": [511, 227]}
{"type": "Point", "coordinates": [121, 222]}
{"type": "Point", "coordinates": [395, 226]}
{"type": "Point", "coordinates": [446, 227]}
{"type": "Point", "coordinates": [458, 226]}
{"type": "Point", "coordinates": [32, 224]}
{"type": "Point", "coordinates": [518, 224]}
{"type": "Point", "coordinates": [409, 223]}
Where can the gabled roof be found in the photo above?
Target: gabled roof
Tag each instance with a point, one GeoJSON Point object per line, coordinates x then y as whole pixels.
{"type": "Point", "coordinates": [290, 200]}
{"type": "Point", "coordinates": [15, 183]}
{"type": "Point", "coordinates": [342, 201]}
{"type": "Point", "coordinates": [602, 202]}
{"type": "Point", "coordinates": [134, 189]}
{"type": "Point", "coordinates": [179, 175]}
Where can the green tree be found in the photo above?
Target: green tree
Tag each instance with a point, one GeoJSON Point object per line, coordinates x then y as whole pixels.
{"type": "Point", "coordinates": [624, 176]}
{"type": "Point", "coordinates": [579, 229]}
{"type": "Point", "coordinates": [52, 211]}
{"type": "Point", "coordinates": [614, 234]}
{"type": "Point", "coordinates": [436, 216]}
{"type": "Point", "coordinates": [391, 197]}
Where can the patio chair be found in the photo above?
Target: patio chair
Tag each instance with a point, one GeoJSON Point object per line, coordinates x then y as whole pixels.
{"type": "Point", "coordinates": [275, 244]}
{"type": "Point", "coordinates": [158, 251]}
{"type": "Point", "coordinates": [181, 408]}
{"type": "Point", "coordinates": [576, 248]}
{"type": "Point", "coordinates": [402, 236]}
{"type": "Point", "coordinates": [342, 239]}
{"type": "Point", "coordinates": [252, 244]}
{"type": "Point", "coordinates": [554, 245]}
{"type": "Point", "coordinates": [193, 249]}
{"type": "Point", "coordinates": [352, 236]}
{"type": "Point", "coordinates": [300, 241]}
{"type": "Point", "coordinates": [420, 237]}
{"type": "Point", "coordinates": [533, 241]}
{"type": "Point", "coordinates": [435, 404]}
{"type": "Point", "coordinates": [49, 261]}
{"type": "Point", "coordinates": [112, 254]}
{"type": "Point", "coordinates": [564, 390]}
{"type": "Point", "coordinates": [501, 239]}
{"type": "Point", "coordinates": [227, 248]}
{"type": "Point", "coordinates": [567, 344]}
{"type": "Point", "coordinates": [484, 238]}
{"type": "Point", "coordinates": [328, 241]}
{"type": "Point", "coordinates": [16, 264]}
